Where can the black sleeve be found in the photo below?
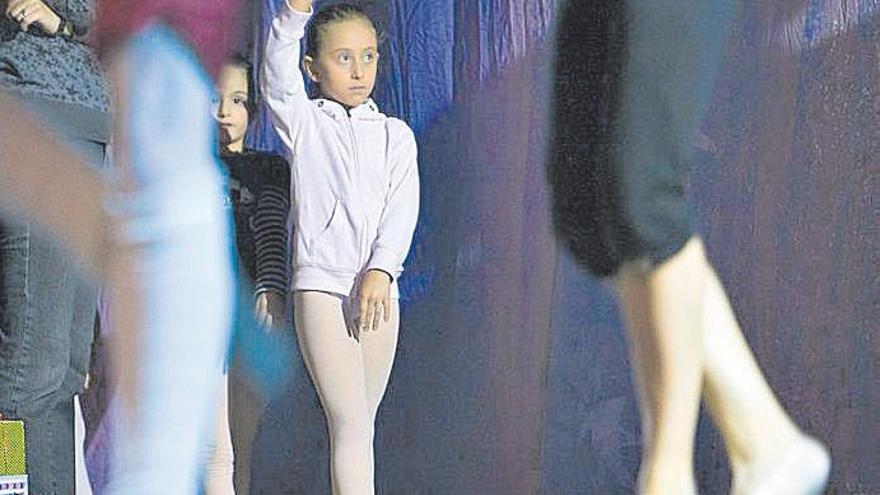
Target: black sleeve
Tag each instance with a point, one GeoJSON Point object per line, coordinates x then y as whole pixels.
{"type": "Point", "coordinates": [270, 228]}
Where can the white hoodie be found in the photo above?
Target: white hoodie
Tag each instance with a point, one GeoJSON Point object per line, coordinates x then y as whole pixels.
{"type": "Point", "coordinates": [354, 180]}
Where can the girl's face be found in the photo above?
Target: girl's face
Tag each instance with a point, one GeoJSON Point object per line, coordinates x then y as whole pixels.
{"type": "Point", "coordinates": [345, 67]}
{"type": "Point", "coordinates": [231, 107]}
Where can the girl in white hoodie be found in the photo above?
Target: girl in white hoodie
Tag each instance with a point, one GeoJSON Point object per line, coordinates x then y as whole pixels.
{"type": "Point", "coordinates": [355, 186]}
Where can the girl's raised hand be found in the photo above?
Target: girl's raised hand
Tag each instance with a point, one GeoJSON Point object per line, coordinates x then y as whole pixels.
{"type": "Point", "coordinates": [375, 300]}
{"type": "Point", "coordinates": [301, 5]}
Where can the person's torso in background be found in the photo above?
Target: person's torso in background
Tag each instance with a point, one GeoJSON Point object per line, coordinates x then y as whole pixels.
{"type": "Point", "coordinates": [258, 194]}
{"type": "Point", "coordinates": [53, 67]}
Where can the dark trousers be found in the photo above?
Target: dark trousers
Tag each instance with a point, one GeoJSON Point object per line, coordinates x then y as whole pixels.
{"type": "Point", "coordinates": [631, 83]}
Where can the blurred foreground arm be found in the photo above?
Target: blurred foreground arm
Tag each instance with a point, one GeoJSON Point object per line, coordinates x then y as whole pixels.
{"type": "Point", "coordinates": [43, 181]}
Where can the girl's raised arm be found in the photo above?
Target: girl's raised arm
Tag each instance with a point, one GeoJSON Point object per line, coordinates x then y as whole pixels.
{"type": "Point", "coordinates": [281, 80]}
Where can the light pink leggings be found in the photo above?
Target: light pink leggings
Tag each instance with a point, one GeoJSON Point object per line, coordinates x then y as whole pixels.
{"type": "Point", "coordinates": [219, 458]}
{"type": "Point", "coordinates": [350, 375]}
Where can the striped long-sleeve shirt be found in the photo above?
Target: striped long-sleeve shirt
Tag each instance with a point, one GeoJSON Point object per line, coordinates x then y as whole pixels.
{"type": "Point", "coordinates": [259, 192]}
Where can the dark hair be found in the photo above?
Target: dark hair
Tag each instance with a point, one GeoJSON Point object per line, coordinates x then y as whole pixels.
{"type": "Point", "coordinates": [328, 15]}
{"type": "Point", "coordinates": [240, 61]}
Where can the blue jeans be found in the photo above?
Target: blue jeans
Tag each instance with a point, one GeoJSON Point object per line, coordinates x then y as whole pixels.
{"type": "Point", "coordinates": [47, 317]}
{"type": "Point", "coordinates": [184, 266]}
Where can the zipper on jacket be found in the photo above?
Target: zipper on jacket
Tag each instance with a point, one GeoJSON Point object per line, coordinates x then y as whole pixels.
{"type": "Point", "coordinates": [363, 252]}
{"type": "Point", "coordinates": [354, 146]}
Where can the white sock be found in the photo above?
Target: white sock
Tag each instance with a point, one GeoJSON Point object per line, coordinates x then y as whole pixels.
{"type": "Point", "coordinates": [803, 469]}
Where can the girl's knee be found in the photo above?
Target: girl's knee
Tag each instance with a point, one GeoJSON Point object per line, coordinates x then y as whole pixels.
{"type": "Point", "coordinates": [352, 426]}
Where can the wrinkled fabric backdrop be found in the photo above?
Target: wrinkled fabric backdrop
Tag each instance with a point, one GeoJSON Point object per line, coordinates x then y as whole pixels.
{"type": "Point", "coordinates": [512, 374]}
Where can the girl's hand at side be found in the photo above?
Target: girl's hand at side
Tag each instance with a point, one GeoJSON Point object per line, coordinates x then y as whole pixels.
{"type": "Point", "coordinates": [375, 300]}
{"type": "Point", "coordinates": [270, 309]}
